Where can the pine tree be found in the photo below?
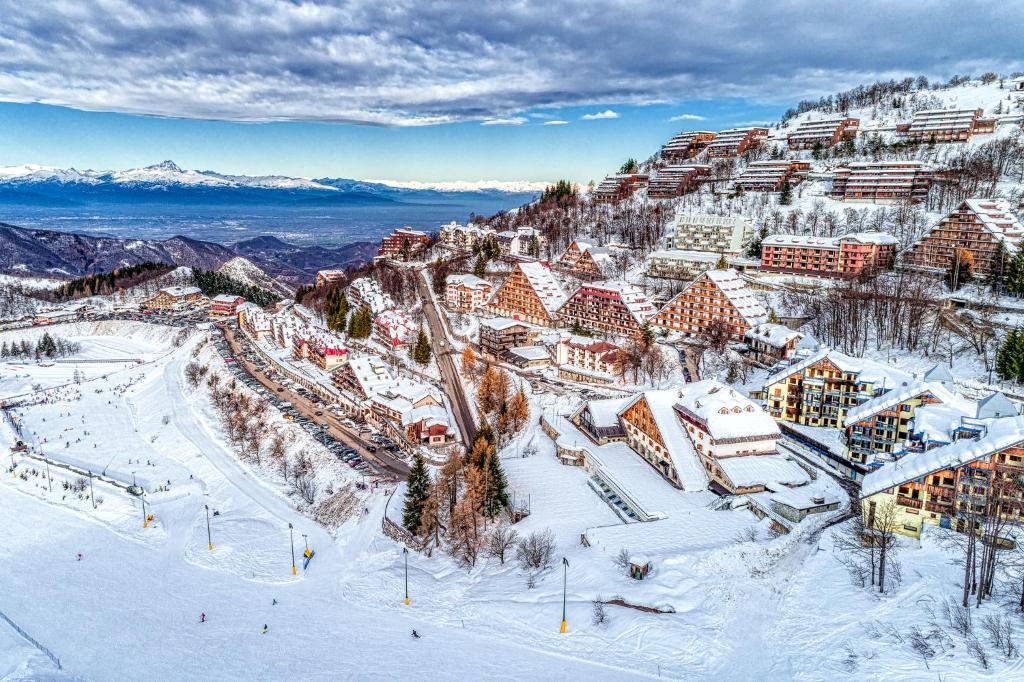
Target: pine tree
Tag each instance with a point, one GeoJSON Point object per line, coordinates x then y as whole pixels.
{"type": "Point", "coordinates": [421, 351]}
{"type": "Point", "coordinates": [755, 245]}
{"type": "Point", "coordinates": [1015, 275]}
{"type": "Point", "coordinates": [646, 335]}
{"type": "Point", "coordinates": [480, 267]}
{"type": "Point", "coordinates": [416, 491]}
{"type": "Point", "coordinates": [5, 351]}
{"type": "Point", "coordinates": [786, 195]}
{"type": "Point", "coordinates": [773, 317]}
{"type": "Point", "coordinates": [721, 263]}
{"type": "Point", "coordinates": [495, 486]}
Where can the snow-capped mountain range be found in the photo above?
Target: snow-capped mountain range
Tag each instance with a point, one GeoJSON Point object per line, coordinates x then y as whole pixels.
{"type": "Point", "coordinates": [169, 174]}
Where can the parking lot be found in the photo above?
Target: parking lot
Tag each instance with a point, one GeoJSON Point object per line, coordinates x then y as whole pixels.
{"type": "Point", "coordinates": [349, 438]}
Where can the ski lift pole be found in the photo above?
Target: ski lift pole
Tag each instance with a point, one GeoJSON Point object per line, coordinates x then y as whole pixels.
{"type": "Point", "coordinates": [565, 583]}
{"type": "Point", "coordinates": [291, 534]}
{"type": "Point", "coordinates": [209, 537]}
{"type": "Point", "coordinates": [405, 552]}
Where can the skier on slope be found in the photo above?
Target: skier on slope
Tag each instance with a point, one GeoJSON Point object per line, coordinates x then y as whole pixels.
{"type": "Point", "coordinates": [264, 630]}
{"type": "Point", "coordinates": [202, 617]}
{"type": "Point", "coordinates": [415, 635]}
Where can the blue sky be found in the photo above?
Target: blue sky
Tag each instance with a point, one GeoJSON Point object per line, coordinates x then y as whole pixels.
{"type": "Point", "coordinates": [580, 150]}
{"type": "Point", "coordinates": [403, 89]}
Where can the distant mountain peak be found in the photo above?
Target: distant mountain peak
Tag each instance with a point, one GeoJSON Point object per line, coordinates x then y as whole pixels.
{"type": "Point", "coordinates": [167, 165]}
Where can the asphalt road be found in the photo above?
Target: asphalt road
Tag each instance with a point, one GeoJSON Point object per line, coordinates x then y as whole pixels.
{"type": "Point", "coordinates": [443, 354]}
{"type": "Point", "coordinates": [336, 430]}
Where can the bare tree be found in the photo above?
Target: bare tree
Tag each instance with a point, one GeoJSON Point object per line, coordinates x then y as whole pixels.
{"type": "Point", "coordinates": [536, 550]}
{"type": "Point", "coordinates": [502, 539]}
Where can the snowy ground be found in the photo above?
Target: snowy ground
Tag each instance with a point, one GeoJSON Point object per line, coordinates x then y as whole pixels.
{"type": "Point", "coordinates": [770, 609]}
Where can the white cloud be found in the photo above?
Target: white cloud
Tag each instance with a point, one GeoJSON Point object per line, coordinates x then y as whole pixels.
{"type": "Point", "coordinates": [555, 123]}
{"type": "Point", "coordinates": [607, 113]}
{"type": "Point", "coordinates": [511, 121]}
{"type": "Point", "coordinates": [688, 117]}
{"type": "Point", "coordinates": [404, 62]}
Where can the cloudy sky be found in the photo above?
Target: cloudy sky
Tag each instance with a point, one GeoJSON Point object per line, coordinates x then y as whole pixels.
{"type": "Point", "coordinates": [446, 90]}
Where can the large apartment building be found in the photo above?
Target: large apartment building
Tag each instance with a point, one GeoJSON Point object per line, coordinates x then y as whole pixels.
{"type": "Point", "coordinates": [669, 182]}
{"type": "Point", "coordinates": [402, 244]}
{"type": "Point", "coordinates": [735, 141]}
{"type": "Point", "coordinates": [685, 146]}
{"type": "Point", "coordinates": [834, 257]}
{"type": "Point", "coordinates": [464, 237]}
{"type": "Point", "coordinates": [823, 133]}
{"type": "Point", "coordinates": [706, 232]}
{"type": "Point", "coordinates": [587, 262]}
{"type": "Point", "coordinates": [614, 308]}
{"type": "Point", "coordinates": [464, 293]}
{"type": "Point", "coordinates": [771, 176]}
{"type": "Point", "coordinates": [716, 297]}
{"type": "Point", "coordinates": [987, 229]}
{"type": "Point", "coordinates": [946, 486]}
{"type": "Point", "coordinates": [175, 298]}
{"type": "Point", "coordinates": [686, 266]}
{"type": "Point", "coordinates": [615, 188]}
{"type": "Point", "coordinates": [947, 125]}
{"type": "Point", "coordinates": [882, 181]}
{"type": "Point", "coordinates": [824, 387]}
{"type": "Point", "coordinates": [530, 293]}
{"type": "Point", "coordinates": [500, 334]}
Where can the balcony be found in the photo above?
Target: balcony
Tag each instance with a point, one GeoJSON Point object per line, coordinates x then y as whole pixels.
{"type": "Point", "coordinates": [908, 502]}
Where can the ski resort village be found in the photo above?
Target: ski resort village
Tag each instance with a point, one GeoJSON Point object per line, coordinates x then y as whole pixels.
{"type": "Point", "coordinates": [748, 407]}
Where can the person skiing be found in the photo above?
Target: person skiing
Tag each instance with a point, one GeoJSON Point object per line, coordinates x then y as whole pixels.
{"type": "Point", "coordinates": [264, 630]}
{"type": "Point", "coordinates": [415, 635]}
{"type": "Point", "coordinates": [78, 557]}
{"type": "Point", "coordinates": [274, 603]}
{"type": "Point", "coordinates": [202, 617]}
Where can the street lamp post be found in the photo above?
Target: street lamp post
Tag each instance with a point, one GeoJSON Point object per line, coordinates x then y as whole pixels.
{"type": "Point", "coordinates": [209, 537]}
{"type": "Point", "coordinates": [565, 582]}
{"type": "Point", "coordinates": [145, 517]}
{"type": "Point", "coordinates": [92, 493]}
{"type": "Point", "coordinates": [291, 534]}
{"type": "Point", "coordinates": [405, 552]}
{"type": "Point", "coordinates": [49, 482]}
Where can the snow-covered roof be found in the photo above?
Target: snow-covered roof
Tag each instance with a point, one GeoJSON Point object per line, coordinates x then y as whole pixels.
{"type": "Point", "coordinates": [178, 292]}
{"type": "Point", "coordinates": [531, 352]}
{"type": "Point", "coordinates": [468, 281]}
{"type": "Point", "coordinates": [807, 241]}
{"type": "Point", "coordinates": [631, 296]}
{"type": "Point", "coordinates": [371, 373]}
{"type": "Point", "coordinates": [1002, 434]}
{"type": "Point", "coordinates": [997, 218]}
{"type": "Point", "coordinates": [775, 335]}
{"type": "Point", "coordinates": [369, 293]}
{"type": "Point", "coordinates": [225, 298]}
{"type": "Point", "coordinates": [867, 371]}
{"type": "Point", "coordinates": [680, 448]}
{"type": "Point", "coordinates": [544, 284]}
{"type": "Point", "coordinates": [726, 414]}
{"type": "Point", "coordinates": [739, 294]}
{"type": "Point", "coordinates": [605, 413]}
{"type": "Point", "coordinates": [500, 323]}
{"type": "Point", "coordinates": [996, 405]}
{"type": "Point", "coordinates": [801, 498]}
{"type": "Point", "coordinates": [771, 470]}
{"type": "Point", "coordinates": [905, 391]}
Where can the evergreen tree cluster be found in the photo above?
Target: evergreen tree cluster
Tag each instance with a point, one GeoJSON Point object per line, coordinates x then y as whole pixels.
{"type": "Point", "coordinates": [420, 350]}
{"type": "Point", "coordinates": [561, 190]}
{"type": "Point", "coordinates": [106, 283]}
{"type": "Point", "coordinates": [336, 310]}
{"type": "Point", "coordinates": [46, 347]}
{"type": "Point", "coordinates": [301, 291]}
{"type": "Point", "coordinates": [213, 283]}
{"type": "Point", "coordinates": [1010, 357]}
{"type": "Point", "coordinates": [360, 324]}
